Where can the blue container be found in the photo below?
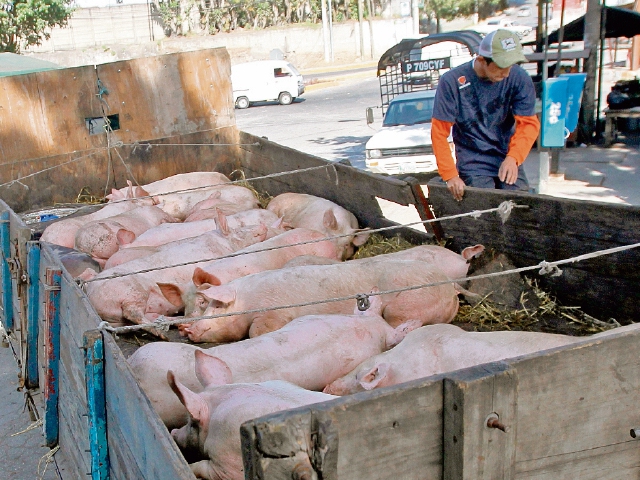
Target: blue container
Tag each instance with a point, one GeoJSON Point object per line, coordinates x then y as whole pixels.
{"type": "Point", "coordinates": [46, 217]}
{"type": "Point", "coordinates": [575, 86]}
{"type": "Point", "coordinates": [554, 109]}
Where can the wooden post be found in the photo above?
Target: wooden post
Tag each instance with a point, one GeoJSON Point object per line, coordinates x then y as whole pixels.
{"type": "Point", "coordinates": [94, 370]}
{"type": "Point", "coordinates": [5, 252]}
{"type": "Point", "coordinates": [51, 355]}
{"type": "Point", "coordinates": [480, 408]}
{"type": "Point", "coordinates": [33, 300]}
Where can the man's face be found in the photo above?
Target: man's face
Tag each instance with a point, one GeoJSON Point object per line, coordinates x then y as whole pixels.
{"type": "Point", "coordinates": [496, 74]}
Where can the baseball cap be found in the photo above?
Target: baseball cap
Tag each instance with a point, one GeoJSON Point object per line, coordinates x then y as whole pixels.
{"type": "Point", "coordinates": [503, 47]}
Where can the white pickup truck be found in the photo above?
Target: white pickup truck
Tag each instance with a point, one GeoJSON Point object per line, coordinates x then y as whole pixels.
{"type": "Point", "coordinates": [403, 144]}
{"type": "Point", "coordinates": [496, 23]}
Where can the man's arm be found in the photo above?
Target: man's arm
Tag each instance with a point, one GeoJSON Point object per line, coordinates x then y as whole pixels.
{"type": "Point", "coordinates": [446, 165]}
{"type": "Point", "coordinates": [527, 128]}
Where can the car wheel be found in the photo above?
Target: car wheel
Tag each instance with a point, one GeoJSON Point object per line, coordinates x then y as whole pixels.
{"type": "Point", "coordinates": [285, 98]}
{"type": "Point", "coordinates": [242, 102]}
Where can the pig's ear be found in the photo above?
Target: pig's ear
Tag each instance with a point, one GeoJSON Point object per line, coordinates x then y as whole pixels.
{"type": "Point", "coordinates": [88, 274]}
{"type": "Point", "coordinates": [211, 370]}
{"type": "Point", "coordinates": [220, 294]}
{"type": "Point", "coordinates": [375, 305]}
{"type": "Point", "coordinates": [129, 190]}
{"type": "Point", "coordinates": [329, 220]}
{"type": "Point", "coordinates": [140, 192]}
{"type": "Point", "coordinates": [194, 403]}
{"type": "Point", "coordinates": [223, 226]}
{"type": "Point", "coordinates": [115, 195]}
{"type": "Point", "coordinates": [470, 252]}
{"type": "Point", "coordinates": [200, 277]}
{"type": "Point", "coordinates": [173, 293]}
{"type": "Point", "coordinates": [278, 223]}
{"type": "Point", "coordinates": [375, 377]}
{"type": "Point", "coordinates": [361, 237]}
{"type": "Point", "coordinates": [124, 236]}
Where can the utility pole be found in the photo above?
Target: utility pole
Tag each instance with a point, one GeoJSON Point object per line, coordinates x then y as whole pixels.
{"type": "Point", "coordinates": [360, 25]}
{"type": "Point", "coordinates": [325, 31]}
{"type": "Point", "coordinates": [588, 114]}
{"type": "Point", "coordinates": [415, 14]}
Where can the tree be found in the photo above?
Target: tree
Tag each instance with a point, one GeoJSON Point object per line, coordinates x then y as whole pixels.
{"type": "Point", "coordinates": [24, 22]}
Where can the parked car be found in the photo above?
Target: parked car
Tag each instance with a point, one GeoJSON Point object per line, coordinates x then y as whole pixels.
{"type": "Point", "coordinates": [496, 23]}
{"type": "Point", "coordinates": [403, 144]}
{"type": "Point", "coordinates": [265, 80]}
{"type": "Point", "coordinates": [524, 11]}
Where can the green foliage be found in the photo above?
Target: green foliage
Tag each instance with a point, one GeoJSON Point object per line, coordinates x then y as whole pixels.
{"type": "Point", "coordinates": [24, 22]}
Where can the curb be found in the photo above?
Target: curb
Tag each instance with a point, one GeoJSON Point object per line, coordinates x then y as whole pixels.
{"type": "Point", "coordinates": [318, 84]}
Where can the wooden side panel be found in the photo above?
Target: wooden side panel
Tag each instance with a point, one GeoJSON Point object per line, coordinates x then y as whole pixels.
{"type": "Point", "coordinates": [387, 434]}
{"type": "Point", "coordinates": [576, 406]}
{"type": "Point", "coordinates": [553, 229]}
{"type": "Point", "coordinates": [137, 425]}
{"type": "Point", "coordinates": [168, 95]}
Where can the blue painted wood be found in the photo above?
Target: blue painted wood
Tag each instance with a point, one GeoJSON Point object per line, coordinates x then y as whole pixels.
{"type": "Point", "coordinates": [5, 251]}
{"type": "Point", "coordinates": [33, 299]}
{"type": "Point", "coordinates": [94, 364]}
{"type": "Point", "coordinates": [51, 389]}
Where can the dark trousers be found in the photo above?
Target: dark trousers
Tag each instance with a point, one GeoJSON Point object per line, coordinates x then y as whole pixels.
{"type": "Point", "coordinates": [485, 181]}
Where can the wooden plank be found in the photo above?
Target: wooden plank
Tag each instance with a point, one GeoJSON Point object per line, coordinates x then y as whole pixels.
{"type": "Point", "coordinates": [75, 466]}
{"type": "Point", "coordinates": [480, 411]}
{"type": "Point", "coordinates": [384, 434]}
{"type": "Point", "coordinates": [51, 349]}
{"type": "Point", "coordinates": [30, 367]}
{"type": "Point", "coordinates": [576, 406]}
{"type": "Point", "coordinates": [122, 462]}
{"type": "Point", "coordinates": [553, 229]}
{"type": "Point", "coordinates": [74, 430]}
{"type": "Point", "coordinates": [96, 401]}
{"type": "Point", "coordinates": [156, 454]}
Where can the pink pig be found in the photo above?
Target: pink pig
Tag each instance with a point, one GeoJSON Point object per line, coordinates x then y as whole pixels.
{"type": "Point", "coordinates": [216, 414]}
{"type": "Point", "coordinates": [136, 297]}
{"type": "Point", "coordinates": [310, 352]}
{"type": "Point", "coordinates": [318, 283]}
{"type": "Point", "coordinates": [257, 258]}
{"type": "Point", "coordinates": [228, 198]}
{"type": "Point", "coordinates": [437, 349]}
{"type": "Point", "coordinates": [102, 238]}
{"type": "Point", "coordinates": [177, 194]}
{"type": "Point", "coordinates": [308, 211]}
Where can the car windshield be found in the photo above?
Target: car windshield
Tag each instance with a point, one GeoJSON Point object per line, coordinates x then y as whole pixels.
{"type": "Point", "coordinates": [409, 112]}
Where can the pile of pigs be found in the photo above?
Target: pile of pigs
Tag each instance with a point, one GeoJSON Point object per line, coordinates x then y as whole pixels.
{"type": "Point", "coordinates": [198, 245]}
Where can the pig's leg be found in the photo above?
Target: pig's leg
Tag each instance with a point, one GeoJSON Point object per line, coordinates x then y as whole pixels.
{"type": "Point", "coordinates": [203, 469]}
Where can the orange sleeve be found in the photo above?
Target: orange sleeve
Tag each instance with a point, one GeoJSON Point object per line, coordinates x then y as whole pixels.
{"type": "Point", "coordinates": [527, 129]}
{"type": "Point", "coordinates": [440, 131]}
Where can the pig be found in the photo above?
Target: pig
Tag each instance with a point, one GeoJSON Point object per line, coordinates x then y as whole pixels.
{"type": "Point", "coordinates": [228, 198]}
{"type": "Point", "coordinates": [135, 295]}
{"type": "Point", "coordinates": [308, 211]}
{"type": "Point", "coordinates": [170, 232]}
{"type": "Point", "coordinates": [216, 414]}
{"type": "Point", "coordinates": [63, 232]}
{"type": "Point", "coordinates": [318, 283]}
{"type": "Point", "coordinates": [134, 250]}
{"type": "Point", "coordinates": [102, 238]}
{"type": "Point", "coordinates": [256, 258]}
{"type": "Point", "coordinates": [311, 352]}
{"type": "Point", "coordinates": [75, 262]}
{"type": "Point", "coordinates": [453, 265]}
{"type": "Point", "coordinates": [435, 349]}
{"type": "Point", "coordinates": [177, 194]}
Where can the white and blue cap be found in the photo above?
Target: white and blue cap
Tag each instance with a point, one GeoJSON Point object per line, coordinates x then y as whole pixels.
{"type": "Point", "coordinates": [503, 47]}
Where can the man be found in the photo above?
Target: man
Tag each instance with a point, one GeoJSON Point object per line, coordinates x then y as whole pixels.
{"type": "Point", "coordinates": [483, 100]}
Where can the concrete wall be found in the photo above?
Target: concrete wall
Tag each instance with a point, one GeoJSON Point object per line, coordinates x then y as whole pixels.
{"type": "Point", "coordinates": [101, 35]}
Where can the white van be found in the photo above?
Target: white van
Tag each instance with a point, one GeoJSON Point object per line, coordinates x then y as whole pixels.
{"type": "Point", "coordinates": [265, 80]}
{"type": "Point", "coordinates": [403, 144]}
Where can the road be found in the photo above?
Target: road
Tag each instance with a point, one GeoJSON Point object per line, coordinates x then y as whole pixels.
{"type": "Point", "coordinates": [327, 122]}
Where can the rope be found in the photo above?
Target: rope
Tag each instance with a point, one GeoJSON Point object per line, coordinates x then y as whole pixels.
{"type": "Point", "coordinates": [36, 424]}
{"type": "Point", "coordinates": [544, 267]}
{"type": "Point", "coordinates": [48, 458]}
{"type": "Point", "coordinates": [476, 213]}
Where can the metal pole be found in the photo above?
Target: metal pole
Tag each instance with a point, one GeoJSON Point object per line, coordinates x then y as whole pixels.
{"type": "Point", "coordinates": [325, 31]}
{"type": "Point", "coordinates": [330, 29]}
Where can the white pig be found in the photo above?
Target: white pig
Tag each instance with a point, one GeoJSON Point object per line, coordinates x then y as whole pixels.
{"type": "Point", "coordinates": [310, 352]}
{"type": "Point", "coordinates": [318, 283]}
{"type": "Point", "coordinates": [136, 297]}
{"type": "Point", "coordinates": [177, 194]}
{"type": "Point", "coordinates": [216, 414]}
{"type": "Point", "coordinates": [228, 198]}
{"type": "Point", "coordinates": [102, 238]}
{"type": "Point", "coordinates": [257, 258]}
{"type": "Point", "coordinates": [308, 211]}
{"type": "Point", "coordinates": [438, 349]}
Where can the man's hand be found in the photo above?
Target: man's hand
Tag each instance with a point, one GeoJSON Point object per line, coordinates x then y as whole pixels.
{"type": "Point", "coordinates": [456, 187]}
{"type": "Point", "coordinates": [508, 172]}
